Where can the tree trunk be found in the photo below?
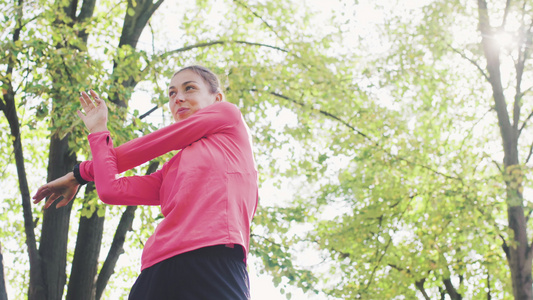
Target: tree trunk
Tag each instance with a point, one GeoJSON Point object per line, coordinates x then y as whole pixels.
{"type": "Point", "coordinates": [82, 281]}
{"type": "Point", "coordinates": [54, 236]}
{"type": "Point", "coordinates": [131, 31]}
{"type": "Point", "coordinates": [36, 286]}
{"type": "Point", "coordinates": [3, 293]}
{"type": "Point", "coordinates": [519, 251]}
{"type": "Point", "coordinates": [450, 289]}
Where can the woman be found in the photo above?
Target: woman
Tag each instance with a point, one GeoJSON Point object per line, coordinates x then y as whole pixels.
{"type": "Point", "coordinates": [207, 192]}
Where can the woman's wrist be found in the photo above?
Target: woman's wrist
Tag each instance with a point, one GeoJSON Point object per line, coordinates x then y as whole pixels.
{"type": "Point", "coordinates": [98, 129]}
{"type": "Point", "coordinates": [77, 176]}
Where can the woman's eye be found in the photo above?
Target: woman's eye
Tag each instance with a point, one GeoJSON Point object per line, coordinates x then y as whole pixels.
{"type": "Point", "coordinates": [170, 94]}
{"type": "Point", "coordinates": [187, 88]}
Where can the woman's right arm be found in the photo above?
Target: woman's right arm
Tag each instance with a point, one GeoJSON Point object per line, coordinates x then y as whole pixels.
{"type": "Point", "coordinates": [67, 186]}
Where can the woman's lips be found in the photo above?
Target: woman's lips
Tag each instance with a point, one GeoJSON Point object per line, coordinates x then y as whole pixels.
{"type": "Point", "coordinates": [182, 110]}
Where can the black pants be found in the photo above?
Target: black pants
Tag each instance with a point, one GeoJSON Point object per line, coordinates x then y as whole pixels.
{"type": "Point", "coordinates": [216, 272]}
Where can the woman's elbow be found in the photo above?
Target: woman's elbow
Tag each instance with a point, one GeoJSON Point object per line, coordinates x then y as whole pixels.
{"type": "Point", "coordinates": [108, 193]}
{"type": "Point", "coordinates": [106, 197]}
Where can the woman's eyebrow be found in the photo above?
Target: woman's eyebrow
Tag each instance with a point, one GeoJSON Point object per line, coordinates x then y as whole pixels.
{"type": "Point", "coordinates": [183, 84]}
{"type": "Point", "coordinates": [187, 82]}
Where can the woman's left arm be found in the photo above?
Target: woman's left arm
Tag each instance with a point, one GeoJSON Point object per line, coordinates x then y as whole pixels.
{"type": "Point", "coordinates": [132, 190]}
{"type": "Point", "coordinates": [209, 120]}
{"type": "Point", "coordinates": [136, 190]}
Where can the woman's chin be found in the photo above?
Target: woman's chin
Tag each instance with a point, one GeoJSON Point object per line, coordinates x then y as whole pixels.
{"type": "Point", "coordinates": [181, 117]}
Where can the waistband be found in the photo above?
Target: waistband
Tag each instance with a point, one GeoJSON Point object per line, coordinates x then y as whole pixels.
{"type": "Point", "coordinates": [229, 250]}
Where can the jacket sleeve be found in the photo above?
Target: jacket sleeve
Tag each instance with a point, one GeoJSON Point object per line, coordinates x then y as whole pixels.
{"type": "Point", "coordinates": [134, 190]}
{"type": "Point", "coordinates": [212, 119]}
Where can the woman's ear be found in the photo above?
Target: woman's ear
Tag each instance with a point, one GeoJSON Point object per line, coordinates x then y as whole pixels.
{"type": "Point", "coordinates": [219, 97]}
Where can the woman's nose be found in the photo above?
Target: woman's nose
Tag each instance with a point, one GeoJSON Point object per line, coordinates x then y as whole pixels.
{"type": "Point", "coordinates": [179, 97]}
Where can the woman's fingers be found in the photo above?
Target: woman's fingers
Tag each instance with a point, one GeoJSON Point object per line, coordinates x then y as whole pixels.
{"type": "Point", "coordinates": [89, 104]}
{"type": "Point", "coordinates": [94, 114]}
{"type": "Point", "coordinates": [41, 193]}
{"type": "Point", "coordinates": [64, 202]}
{"type": "Point", "coordinates": [86, 102]}
{"type": "Point", "coordinates": [95, 95]}
{"type": "Point", "coordinates": [80, 114]}
{"type": "Point", "coordinates": [51, 200]}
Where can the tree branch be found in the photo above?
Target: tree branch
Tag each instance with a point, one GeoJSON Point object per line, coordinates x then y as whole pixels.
{"type": "Point", "coordinates": [164, 55]}
{"type": "Point", "coordinates": [505, 248]}
{"type": "Point", "coordinates": [219, 42]}
{"type": "Point", "coordinates": [131, 31]}
{"type": "Point", "coordinates": [529, 215]}
{"type": "Point", "coordinates": [386, 247]}
{"type": "Point", "coordinates": [450, 289]}
{"type": "Point", "coordinates": [117, 248]}
{"type": "Point", "coordinates": [134, 24]}
{"type": "Point", "coordinates": [380, 257]}
{"type": "Point", "coordinates": [525, 123]}
{"type": "Point", "coordinates": [267, 239]}
{"type": "Point", "coordinates": [498, 166]}
{"type": "Point", "coordinates": [506, 13]}
{"type": "Point", "coordinates": [471, 61]}
{"type": "Point", "coordinates": [472, 127]}
{"type": "Point", "coordinates": [260, 18]}
{"type": "Point", "coordinates": [365, 136]}
{"type": "Point", "coordinates": [420, 286]}
{"type": "Point", "coordinates": [530, 153]}
{"type": "Point", "coordinates": [489, 296]}
{"type": "Point", "coordinates": [87, 10]}
{"type": "Point", "coordinates": [81, 284]}
{"type": "Point", "coordinates": [523, 53]}
{"type": "Point", "coordinates": [146, 114]}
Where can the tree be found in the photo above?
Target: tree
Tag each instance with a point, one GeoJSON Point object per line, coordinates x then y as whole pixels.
{"type": "Point", "coordinates": [67, 67]}
{"type": "Point", "coordinates": [519, 253]}
{"type": "Point", "coordinates": [430, 196]}
{"type": "Point", "coordinates": [56, 49]}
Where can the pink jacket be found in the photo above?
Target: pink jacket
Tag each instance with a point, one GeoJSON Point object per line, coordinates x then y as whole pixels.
{"type": "Point", "coordinates": [208, 192]}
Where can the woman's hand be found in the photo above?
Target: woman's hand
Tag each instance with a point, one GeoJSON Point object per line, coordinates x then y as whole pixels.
{"type": "Point", "coordinates": [95, 117]}
{"type": "Point", "coordinates": [65, 186]}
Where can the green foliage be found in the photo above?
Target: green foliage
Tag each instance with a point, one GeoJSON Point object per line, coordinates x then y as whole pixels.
{"type": "Point", "coordinates": [390, 150]}
{"type": "Point", "coordinates": [417, 198]}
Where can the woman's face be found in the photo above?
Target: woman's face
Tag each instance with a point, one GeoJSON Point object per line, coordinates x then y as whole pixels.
{"type": "Point", "coordinates": [188, 93]}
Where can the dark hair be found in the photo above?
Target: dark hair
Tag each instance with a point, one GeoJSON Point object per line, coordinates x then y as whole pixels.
{"type": "Point", "coordinates": [207, 75]}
